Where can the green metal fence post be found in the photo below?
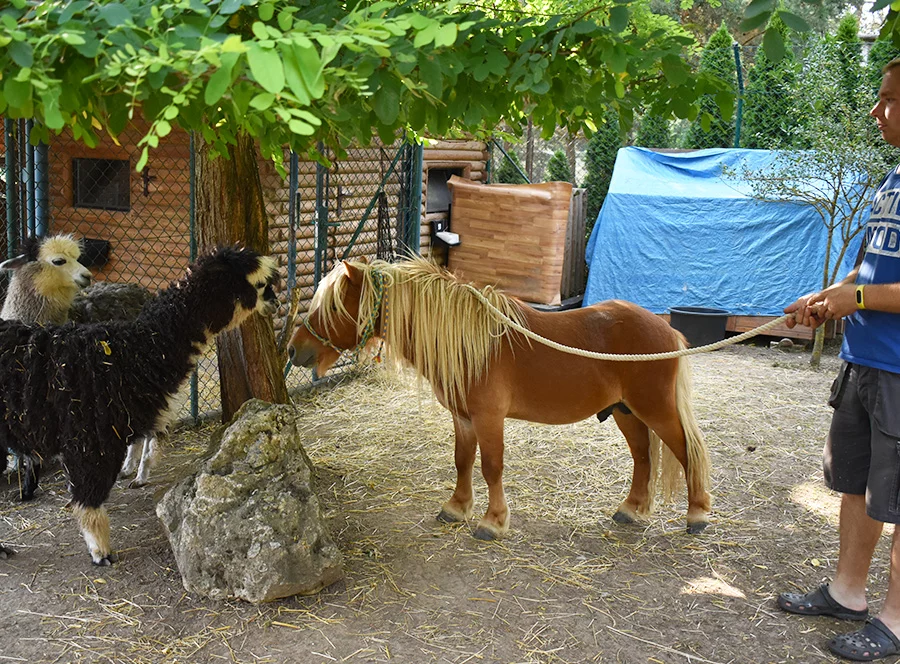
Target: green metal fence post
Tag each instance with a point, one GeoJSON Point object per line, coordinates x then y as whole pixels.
{"type": "Point", "coordinates": [414, 219]}
{"type": "Point", "coordinates": [42, 193]}
{"type": "Point", "coordinates": [192, 187]}
{"type": "Point", "coordinates": [506, 156]}
{"type": "Point", "coordinates": [321, 222]}
{"type": "Point", "coordinates": [12, 199]}
{"type": "Point", "coordinates": [30, 200]}
{"type": "Point", "coordinates": [740, 100]}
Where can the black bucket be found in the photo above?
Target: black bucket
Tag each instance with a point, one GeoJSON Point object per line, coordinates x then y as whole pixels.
{"type": "Point", "coordinates": [700, 325]}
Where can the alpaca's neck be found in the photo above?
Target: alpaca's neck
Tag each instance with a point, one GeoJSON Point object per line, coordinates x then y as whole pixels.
{"type": "Point", "coordinates": [25, 304]}
{"type": "Point", "coordinates": [175, 320]}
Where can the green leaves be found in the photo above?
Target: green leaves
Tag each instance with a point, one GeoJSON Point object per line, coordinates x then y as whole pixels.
{"type": "Point", "coordinates": [114, 14]}
{"type": "Point", "coordinates": [618, 18]}
{"type": "Point", "coordinates": [17, 93]}
{"type": "Point", "coordinates": [21, 53]}
{"type": "Point", "coordinates": [386, 102]}
{"type": "Point", "coordinates": [266, 67]}
{"type": "Point", "coordinates": [220, 80]}
{"type": "Point", "coordinates": [293, 73]}
{"type": "Point", "coordinates": [52, 117]}
{"type": "Point", "coordinates": [773, 44]}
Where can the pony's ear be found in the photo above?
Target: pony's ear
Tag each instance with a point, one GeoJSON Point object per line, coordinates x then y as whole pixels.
{"type": "Point", "coordinates": [354, 274]}
{"type": "Point", "coordinates": [363, 259]}
{"type": "Point", "coordinates": [14, 263]}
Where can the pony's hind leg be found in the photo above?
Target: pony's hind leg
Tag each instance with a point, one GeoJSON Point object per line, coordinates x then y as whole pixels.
{"type": "Point", "coordinates": [461, 503]}
{"type": "Point", "coordinates": [690, 451]}
{"type": "Point", "coordinates": [640, 499]}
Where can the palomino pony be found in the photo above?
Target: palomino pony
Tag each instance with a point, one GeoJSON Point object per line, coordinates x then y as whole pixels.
{"type": "Point", "coordinates": [483, 371]}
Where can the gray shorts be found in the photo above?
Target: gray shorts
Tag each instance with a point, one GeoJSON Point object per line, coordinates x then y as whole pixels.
{"type": "Point", "coordinates": [862, 454]}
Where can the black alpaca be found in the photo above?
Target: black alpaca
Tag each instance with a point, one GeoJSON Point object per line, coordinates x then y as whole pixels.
{"type": "Point", "coordinates": [87, 391]}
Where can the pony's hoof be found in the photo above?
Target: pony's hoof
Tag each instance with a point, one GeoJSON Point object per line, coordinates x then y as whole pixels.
{"type": "Point", "coordinates": [484, 534]}
{"type": "Point", "coordinates": [622, 517]}
{"type": "Point", "coordinates": [448, 517]}
{"type": "Point", "coordinates": [137, 484]}
{"type": "Point", "coordinates": [695, 528]}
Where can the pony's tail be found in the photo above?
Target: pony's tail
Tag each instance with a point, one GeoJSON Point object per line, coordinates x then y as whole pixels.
{"type": "Point", "coordinates": [697, 454]}
{"type": "Point", "coordinates": [657, 455]}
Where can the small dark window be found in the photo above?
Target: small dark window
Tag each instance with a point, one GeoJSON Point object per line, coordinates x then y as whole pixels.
{"type": "Point", "coordinates": [103, 184]}
{"type": "Point", "coordinates": [437, 196]}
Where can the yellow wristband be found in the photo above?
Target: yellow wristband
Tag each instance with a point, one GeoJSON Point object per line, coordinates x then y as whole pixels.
{"type": "Point", "coordinates": [860, 298]}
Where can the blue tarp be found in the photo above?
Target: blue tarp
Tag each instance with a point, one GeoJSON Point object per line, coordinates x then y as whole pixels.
{"type": "Point", "coordinates": [672, 232]}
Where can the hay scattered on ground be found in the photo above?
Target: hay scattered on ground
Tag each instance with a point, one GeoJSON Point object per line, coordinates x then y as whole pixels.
{"type": "Point", "coordinates": [567, 585]}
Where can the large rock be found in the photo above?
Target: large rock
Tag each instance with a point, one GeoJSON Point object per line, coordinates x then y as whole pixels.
{"type": "Point", "coordinates": [248, 524]}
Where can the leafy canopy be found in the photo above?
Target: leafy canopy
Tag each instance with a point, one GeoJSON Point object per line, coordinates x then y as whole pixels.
{"type": "Point", "coordinates": [294, 72]}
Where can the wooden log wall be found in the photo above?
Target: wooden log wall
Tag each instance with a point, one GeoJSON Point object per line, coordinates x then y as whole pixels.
{"type": "Point", "coordinates": [150, 243]}
{"type": "Point", "coordinates": [352, 184]}
{"type": "Point", "coordinates": [467, 159]}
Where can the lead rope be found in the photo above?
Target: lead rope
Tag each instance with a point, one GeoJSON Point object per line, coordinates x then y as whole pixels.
{"type": "Point", "coordinates": [619, 356]}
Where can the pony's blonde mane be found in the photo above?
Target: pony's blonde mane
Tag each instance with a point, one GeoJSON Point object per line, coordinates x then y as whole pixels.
{"type": "Point", "coordinates": [429, 319]}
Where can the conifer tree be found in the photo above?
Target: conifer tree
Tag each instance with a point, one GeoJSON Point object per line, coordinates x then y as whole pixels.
{"type": "Point", "coordinates": [558, 168]}
{"type": "Point", "coordinates": [653, 132]}
{"type": "Point", "coordinates": [881, 53]}
{"type": "Point", "coordinates": [718, 59]}
{"type": "Point", "coordinates": [507, 173]}
{"type": "Point", "coordinates": [849, 59]}
{"type": "Point", "coordinates": [600, 157]}
{"type": "Point", "coordinates": [768, 121]}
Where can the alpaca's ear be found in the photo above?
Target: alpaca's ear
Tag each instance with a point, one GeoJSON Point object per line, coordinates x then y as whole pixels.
{"type": "Point", "coordinates": [14, 263]}
{"type": "Point", "coordinates": [354, 274]}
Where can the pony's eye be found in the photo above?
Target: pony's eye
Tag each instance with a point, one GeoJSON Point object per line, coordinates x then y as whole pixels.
{"type": "Point", "coordinates": [59, 261]}
{"type": "Point", "coordinates": [260, 285]}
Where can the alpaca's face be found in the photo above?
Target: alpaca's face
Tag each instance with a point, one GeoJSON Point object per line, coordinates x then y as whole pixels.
{"type": "Point", "coordinates": [53, 270]}
{"type": "Point", "coordinates": [263, 281]}
{"type": "Point", "coordinates": [260, 297]}
{"type": "Point", "coordinates": [60, 274]}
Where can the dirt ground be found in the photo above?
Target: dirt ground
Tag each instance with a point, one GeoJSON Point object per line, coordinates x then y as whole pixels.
{"type": "Point", "coordinates": [567, 585]}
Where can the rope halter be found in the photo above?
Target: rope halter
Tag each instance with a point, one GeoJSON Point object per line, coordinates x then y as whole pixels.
{"type": "Point", "coordinates": [369, 328]}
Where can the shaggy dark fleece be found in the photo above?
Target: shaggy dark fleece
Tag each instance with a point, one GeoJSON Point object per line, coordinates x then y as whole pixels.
{"type": "Point", "coordinates": [87, 391]}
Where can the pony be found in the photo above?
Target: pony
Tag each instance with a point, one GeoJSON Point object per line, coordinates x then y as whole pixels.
{"type": "Point", "coordinates": [484, 370]}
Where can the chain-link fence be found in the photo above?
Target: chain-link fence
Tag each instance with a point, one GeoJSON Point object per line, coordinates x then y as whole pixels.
{"type": "Point", "coordinates": [139, 227]}
{"type": "Point", "coordinates": [367, 204]}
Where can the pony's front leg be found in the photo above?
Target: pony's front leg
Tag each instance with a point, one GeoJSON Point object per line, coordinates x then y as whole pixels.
{"type": "Point", "coordinates": [639, 500]}
{"type": "Point", "coordinates": [495, 522]}
{"type": "Point", "coordinates": [460, 506]}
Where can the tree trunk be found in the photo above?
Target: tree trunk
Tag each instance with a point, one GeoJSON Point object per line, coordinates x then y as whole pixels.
{"type": "Point", "coordinates": [818, 344]}
{"type": "Point", "coordinates": [529, 151]}
{"type": "Point", "coordinates": [571, 156]}
{"type": "Point", "coordinates": [230, 209]}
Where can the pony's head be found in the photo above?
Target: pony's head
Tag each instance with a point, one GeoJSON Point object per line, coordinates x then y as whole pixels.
{"type": "Point", "coordinates": [331, 326]}
{"type": "Point", "coordinates": [425, 316]}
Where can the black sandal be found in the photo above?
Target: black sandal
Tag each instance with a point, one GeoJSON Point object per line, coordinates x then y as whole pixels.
{"type": "Point", "coordinates": [818, 602]}
{"type": "Point", "coordinates": [872, 642]}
